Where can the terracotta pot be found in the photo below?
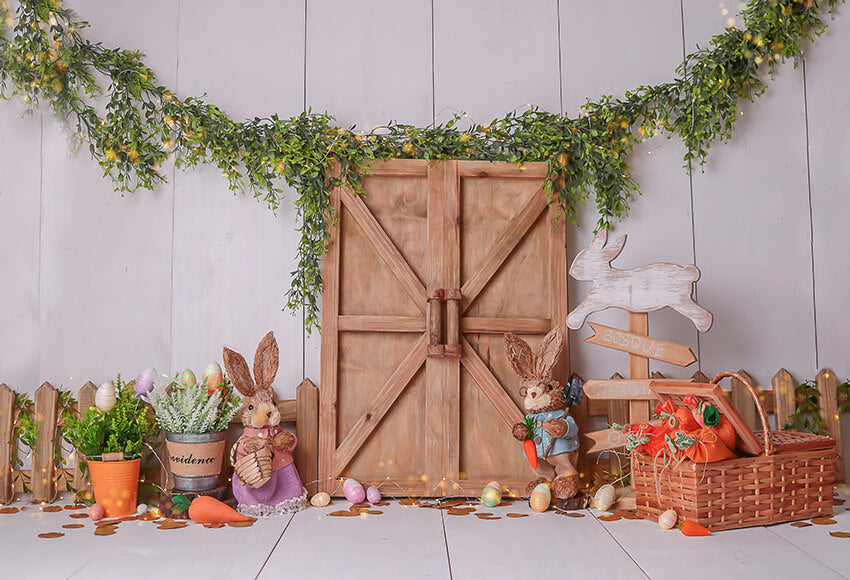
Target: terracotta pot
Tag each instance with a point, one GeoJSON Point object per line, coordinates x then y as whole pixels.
{"type": "Point", "coordinates": [195, 459]}
{"type": "Point", "coordinates": [116, 486]}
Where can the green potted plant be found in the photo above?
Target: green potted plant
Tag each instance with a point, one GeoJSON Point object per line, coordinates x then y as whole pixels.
{"type": "Point", "coordinates": [110, 436]}
{"type": "Point", "coordinates": [194, 417]}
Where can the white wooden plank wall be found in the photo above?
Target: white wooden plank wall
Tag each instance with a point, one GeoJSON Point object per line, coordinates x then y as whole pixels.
{"type": "Point", "coordinates": [93, 283]}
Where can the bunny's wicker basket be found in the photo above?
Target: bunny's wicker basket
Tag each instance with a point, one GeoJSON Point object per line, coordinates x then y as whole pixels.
{"type": "Point", "coordinates": [789, 477]}
{"type": "Point", "coordinates": [253, 469]}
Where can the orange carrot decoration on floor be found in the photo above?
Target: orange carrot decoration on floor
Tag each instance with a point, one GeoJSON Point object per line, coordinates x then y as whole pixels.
{"type": "Point", "coordinates": [208, 510]}
{"type": "Point", "coordinates": [690, 528]}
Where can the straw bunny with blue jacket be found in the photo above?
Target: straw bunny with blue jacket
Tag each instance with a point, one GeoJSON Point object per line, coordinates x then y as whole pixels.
{"type": "Point", "coordinates": [548, 423]}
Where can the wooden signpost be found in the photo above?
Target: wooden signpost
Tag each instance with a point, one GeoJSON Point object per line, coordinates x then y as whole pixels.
{"type": "Point", "coordinates": [638, 292]}
{"type": "Point", "coordinates": [644, 346]}
{"type": "Point", "coordinates": [623, 388]}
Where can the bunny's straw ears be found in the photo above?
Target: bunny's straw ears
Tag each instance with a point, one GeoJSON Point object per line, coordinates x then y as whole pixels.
{"type": "Point", "coordinates": [539, 365]}
{"type": "Point", "coordinates": [266, 362]}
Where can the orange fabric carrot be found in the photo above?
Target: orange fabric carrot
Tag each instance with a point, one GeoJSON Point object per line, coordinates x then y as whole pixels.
{"type": "Point", "coordinates": [528, 445]}
{"type": "Point", "coordinates": [208, 510]}
{"type": "Point", "coordinates": [530, 452]}
{"type": "Point", "coordinates": [690, 528]}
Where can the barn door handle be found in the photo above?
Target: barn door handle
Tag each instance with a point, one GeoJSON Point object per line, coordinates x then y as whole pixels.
{"type": "Point", "coordinates": [451, 347]}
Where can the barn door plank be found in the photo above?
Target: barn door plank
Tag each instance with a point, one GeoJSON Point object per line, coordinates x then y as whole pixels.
{"type": "Point", "coordinates": [385, 248]}
{"type": "Point", "coordinates": [507, 242]}
{"type": "Point", "coordinates": [505, 406]}
{"type": "Point", "coordinates": [330, 352]}
{"type": "Point", "coordinates": [379, 407]}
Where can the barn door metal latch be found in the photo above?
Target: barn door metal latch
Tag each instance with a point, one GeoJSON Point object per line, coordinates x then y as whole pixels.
{"type": "Point", "coordinates": [444, 339]}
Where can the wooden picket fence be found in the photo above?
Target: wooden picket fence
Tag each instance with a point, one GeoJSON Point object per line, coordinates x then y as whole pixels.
{"type": "Point", "coordinates": [303, 411]}
{"type": "Point", "coordinates": [778, 400]}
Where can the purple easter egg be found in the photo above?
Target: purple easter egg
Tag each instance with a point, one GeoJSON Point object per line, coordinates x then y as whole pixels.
{"type": "Point", "coordinates": [144, 382]}
{"type": "Point", "coordinates": [373, 494]}
{"type": "Point", "coordinates": [353, 491]}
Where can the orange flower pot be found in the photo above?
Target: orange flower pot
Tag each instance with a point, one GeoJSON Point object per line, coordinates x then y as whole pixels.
{"type": "Point", "coordinates": [116, 486]}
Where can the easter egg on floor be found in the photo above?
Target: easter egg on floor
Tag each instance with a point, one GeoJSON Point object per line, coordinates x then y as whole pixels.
{"type": "Point", "coordinates": [96, 512]}
{"type": "Point", "coordinates": [668, 519]}
{"type": "Point", "coordinates": [321, 499]}
{"type": "Point", "coordinates": [373, 494]}
{"type": "Point", "coordinates": [353, 491]}
{"type": "Point", "coordinates": [541, 497]}
{"type": "Point", "coordinates": [187, 379]}
{"type": "Point", "coordinates": [104, 398]}
{"type": "Point", "coordinates": [212, 377]}
{"type": "Point", "coordinates": [491, 495]}
{"type": "Point", "coordinates": [604, 498]}
{"type": "Point", "coordinates": [144, 382]}
{"type": "Point", "coordinates": [142, 508]}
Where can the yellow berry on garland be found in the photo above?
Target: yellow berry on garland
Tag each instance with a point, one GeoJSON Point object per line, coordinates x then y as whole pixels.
{"type": "Point", "coordinates": [110, 155]}
{"type": "Point", "coordinates": [465, 137]}
{"type": "Point", "coordinates": [563, 159]}
{"type": "Point", "coordinates": [408, 148]}
{"type": "Point", "coordinates": [624, 125]}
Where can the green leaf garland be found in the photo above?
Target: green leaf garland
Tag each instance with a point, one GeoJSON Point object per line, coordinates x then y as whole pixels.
{"type": "Point", "coordinates": [45, 59]}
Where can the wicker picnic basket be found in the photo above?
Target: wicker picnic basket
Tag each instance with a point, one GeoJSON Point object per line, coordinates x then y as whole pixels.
{"type": "Point", "coordinates": [254, 469]}
{"type": "Point", "coordinates": [791, 478]}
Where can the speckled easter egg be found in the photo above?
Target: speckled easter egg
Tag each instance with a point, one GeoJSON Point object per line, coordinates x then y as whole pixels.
{"type": "Point", "coordinates": [321, 499]}
{"type": "Point", "coordinates": [187, 379]}
{"type": "Point", "coordinates": [144, 382]}
{"type": "Point", "coordinates": [668, 519]}
{"type": "Point", "coordinates": [353, 491]}
{"type": "Point", "coordinates": [491, 495]}
{"type": "Point", "coordinates": [212, 377]}
{"type": "Point", "coordinates": [373, 494]}
{"type": "Point", "coordinates": [604, 498]}
{"type": "Point", "coordinates": [541, 497]}
{"type": "Point", "coordinates": [96, 512]}
{"type": "Point", "coordinates": [104, 398]}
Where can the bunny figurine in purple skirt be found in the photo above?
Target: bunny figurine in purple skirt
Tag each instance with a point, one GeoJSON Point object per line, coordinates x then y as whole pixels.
{"type": "Point", "coordinates": [271, 483]}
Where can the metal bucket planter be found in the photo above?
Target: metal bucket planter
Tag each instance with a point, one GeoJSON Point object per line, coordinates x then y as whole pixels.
{"type": "Point", "coordinates": [195, 459]}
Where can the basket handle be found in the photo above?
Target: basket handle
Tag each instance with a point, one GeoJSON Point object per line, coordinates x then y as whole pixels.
{"type": "Point", "coordinates": [768, 440]}
{"type": "Point", "coordinates": [233, 454]}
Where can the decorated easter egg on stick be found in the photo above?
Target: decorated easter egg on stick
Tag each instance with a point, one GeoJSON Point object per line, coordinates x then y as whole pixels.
{"type": "Point", "coordinates": [668, 519]}
{"type": "Point", "coordinates": [604, 498]}
{"type": "Point", "coordinates": [104, 398]}
{"type": "Point", "coordinates": [373, 494]}
{"type": "Point", "coordinates": [541, 497]}
{"type": "Point", "coordinates": [96, 512]}
{"type": "Point", "coordinates": [144, 382]}
{"type": "Point", "coordinates": [321, 499]}
{"type": "Point", "coordinates": [212, 377]}
{"type": "Point", "coordinates": [491, 495]}
{"type": "Point", "coordinates": [353, 491]}
{"type": "Point", "coordinates": [187, 379]}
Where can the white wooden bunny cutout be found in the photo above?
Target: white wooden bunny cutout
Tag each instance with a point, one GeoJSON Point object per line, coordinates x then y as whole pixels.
{"type": "Point", "coordinates": [643, 289]}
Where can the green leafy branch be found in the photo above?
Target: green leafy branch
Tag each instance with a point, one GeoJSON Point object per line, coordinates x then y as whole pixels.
{"type": "Point", "coordinates": [806, 415]}
{"type": "Point", "coordinates": [24, 436]}
{"type": "Point", "coordinates": [45, 59]}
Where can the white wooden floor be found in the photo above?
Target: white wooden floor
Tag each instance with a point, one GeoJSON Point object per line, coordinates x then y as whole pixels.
{"type": "Point", "coordinates": [412, 542]}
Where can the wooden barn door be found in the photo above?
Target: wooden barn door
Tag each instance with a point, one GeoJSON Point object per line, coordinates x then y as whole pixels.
{"type": "Point", "coordinates": [423, 276]}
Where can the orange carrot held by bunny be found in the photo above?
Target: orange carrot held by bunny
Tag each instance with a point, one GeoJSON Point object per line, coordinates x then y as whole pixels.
{"type": "Point", "coordinates": [265, 481]}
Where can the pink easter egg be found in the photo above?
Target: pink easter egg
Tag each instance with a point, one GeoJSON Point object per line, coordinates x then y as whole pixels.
{"type": "Point", "coordinates": [96, 512]}
{"type": "Point", "coordinates": [353, 491]}
{"type": "Point", "coordinates": [373, 494]}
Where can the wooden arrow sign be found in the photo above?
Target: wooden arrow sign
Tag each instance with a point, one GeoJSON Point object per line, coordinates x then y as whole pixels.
{"type": "Point", "coordinates": [645, 346]}
{"type": "Point", "coordinates": [607, 439]}
{"type": "Point", "coordinates": [631, 389]}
